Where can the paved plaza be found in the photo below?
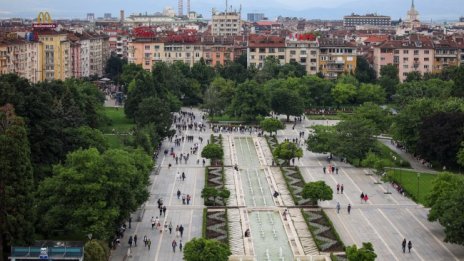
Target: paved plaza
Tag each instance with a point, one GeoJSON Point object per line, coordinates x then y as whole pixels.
{"type": "Point", "coordinates": [384, 220]}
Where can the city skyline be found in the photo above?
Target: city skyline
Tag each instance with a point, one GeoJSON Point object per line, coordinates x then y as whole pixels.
{"type": "Point", "coordinates": [329, 9]}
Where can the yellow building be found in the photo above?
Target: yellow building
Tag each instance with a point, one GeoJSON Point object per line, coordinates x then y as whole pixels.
{"type": "Point", "coordinates": [54, 54]}
{"type": "Point", "coordinates": [336, 57]}
{"type": "Point", "coordinates": [446, 54]}
{"type": "Point", "coordinates": [3, 58]}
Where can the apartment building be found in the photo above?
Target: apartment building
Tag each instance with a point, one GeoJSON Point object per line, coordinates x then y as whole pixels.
{"type": "Point", "coordinates": [303, 49]}
{"type": "Point", "coordinates": [55, 54]}
{"type": "Point", "coordinates": [446, 53]}
{"type": "Point", "coordinates": [118, 42]}
{"type": "Point", "coordinates": [21, 57]}
{"type": "Point", "coordinates": [368, 19]}
{"type": "Point", "coordinates": [262, 46]}
{"type": "Point", "coordinates": [226, 23]}
{"type": "Point", "coordinates": [336, 57]}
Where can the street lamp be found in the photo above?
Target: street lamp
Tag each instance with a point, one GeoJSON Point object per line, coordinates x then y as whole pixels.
{"type": "Point", "coordinates": [418, 176]}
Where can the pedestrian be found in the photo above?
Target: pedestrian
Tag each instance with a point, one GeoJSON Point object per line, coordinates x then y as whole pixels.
{"type": "Point", "coordinates": [177, 231]}
{"type": "Point", "coordinates": [362, 197]}
{"type": "Point", "coordinates": [323, 169]}
{"type": "Point", "coordinates": [338, 188]}
{"type": "Point", "coordinates": [333, 169]}
{"type": "Point", "coordinates": [174, 245]}
{"type": "Point", "coordinates": [349, 209]}
{"type": "Point", "coordinates": [404, 245]}
{"type": "Point", "coordinates": [152, 223]}
{"type": "Point", "coordinates": [188, 199]}
{"type": "Point", "coordinates": [149, 244]}
{"type": "Point", "coordinates": [181, 230]}
{"type": "Point", "coordinates": [341, 188]}
{"type": "Point", "coordinates": [178, 194]}
{"type": "Point", "coordinates": [135, 240]}
{"type": "Point", "coordinates": [338, 207]}
{"type": "Point", "coordinates": [365, 198]}
{"type": "Point", "coordinates": [145, 240]}
{"type": "Point", "coordinates": [170, 227]}
{"type": "Point", "coordinates": [183, 176]}
{"type": "Point", "coordinates": [161, 211]}
{"type": "Point", "coordinates": [180, 245]}
{"type": "Point", "coordinates": [164, 211]}
{"type": "Point", "coordinates": [130, 221]}
{"type": "Point", "coordinates": [183, 199]}
{"type": "Point", "coordinates": [409, 246]}
{"type": "Point", "coordinates": [336, 170]}
{"type": "Point", "coordinates": [130, 242]}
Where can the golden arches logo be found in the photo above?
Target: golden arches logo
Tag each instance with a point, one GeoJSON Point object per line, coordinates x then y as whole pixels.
{"type": "Point", "coordinates": [44, 18]}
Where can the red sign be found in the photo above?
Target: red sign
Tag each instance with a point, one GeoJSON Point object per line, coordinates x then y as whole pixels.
{"type": "Point", "coordinates": [43, 26]}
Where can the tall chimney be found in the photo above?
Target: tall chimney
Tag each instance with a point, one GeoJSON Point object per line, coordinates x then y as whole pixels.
{"type": "Point", "coordinates": [180, 7]}
{"type": "Point", "coordinates": [188, 7]}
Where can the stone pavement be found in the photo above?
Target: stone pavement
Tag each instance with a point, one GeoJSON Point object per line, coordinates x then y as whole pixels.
{"type": "Point", "coordinates": [165, 186]}
{"type": "Point", "coordinates": [384, 220]}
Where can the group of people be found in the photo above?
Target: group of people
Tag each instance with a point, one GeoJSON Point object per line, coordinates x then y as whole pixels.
{"type": "Point", "coordinates": [409, 245]}
{"type": "Point", "coordinates": [348, 208]}
{"type": "Point", "coordinates": [330, 169]}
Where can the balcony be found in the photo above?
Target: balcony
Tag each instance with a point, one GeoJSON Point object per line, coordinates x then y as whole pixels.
{"type": "Point", "coordinates": [336, 62]}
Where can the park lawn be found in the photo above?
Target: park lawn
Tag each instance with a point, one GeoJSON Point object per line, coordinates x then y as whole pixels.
{"type": "Point", "coordinates": [115, 141]}
{"type": "Point", "coordinates": [224, 117]}
{"type": "Point", "coordinates": [118, 121]}
{"type": "Point", "coordinates": [385, 152]}
{"type": "Point", "coordinates": [409, 181]}
{"type": "Point", "coordinates": [338, 116]}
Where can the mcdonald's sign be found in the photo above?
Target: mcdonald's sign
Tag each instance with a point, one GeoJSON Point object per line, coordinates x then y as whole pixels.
{"type": "Point", "coordinates": [44, 21]}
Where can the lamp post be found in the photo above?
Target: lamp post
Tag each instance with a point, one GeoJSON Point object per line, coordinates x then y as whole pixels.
{"type": "Point", "coordinates": [418, 176]}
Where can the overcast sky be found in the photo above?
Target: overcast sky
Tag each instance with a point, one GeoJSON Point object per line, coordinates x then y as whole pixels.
{"type": "Point", "coordinates": [312, 9]}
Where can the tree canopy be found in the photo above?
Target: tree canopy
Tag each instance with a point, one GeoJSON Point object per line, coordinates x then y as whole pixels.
{"type": "Point", "coordinates": [271, 125]}
{"type": "Point", "coordinates": [316, 191]}
{"type": "Point", "coordinates": [201, 249]}
{"type": "Point", "coordinates": [287, 151]}
{"type": "Point", "coordinates": [365, 253]}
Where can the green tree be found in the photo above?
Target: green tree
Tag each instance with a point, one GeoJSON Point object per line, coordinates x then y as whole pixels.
{"type": "Point", "coordinates": [377, 163]}
{"type": "Point", "coordinates": [209, 192]}
{"type": "Point", "coordinates": [344, 93]}
{"type": "Point", "coordinates": [287, 151]}
{"type": "Point", "coordinates": [316, 92]}
{"type": "Point", "coordinates": [218, 95]}
{"type": "Point", "coordinates": [365, 253]}
{"type": "Point", "coordinates": [389, 79]}
{"type": "Point", "coordinates": [271, 125]}
{"type": "Point", "coordinates": [371, 93]}
{"type": "Point", "coordinates": [154, 110]}
{"type": "Point", "coordinates": [213, 152]}
{"type": "Point", "coordinates": [249, 101]}
{"type": "Point", "coordinates": [95, 251]}
{"type": "Point", "coordinates": [316, 191]}
{"type": "Point", "coordinates": [413, 76]}
{"type": "Point", "coordinates": [433, 88]}
{"type": "Point", "coordinates": [460, 156]}
{"type": "Point", "coordinates": [109, 186]}
{"type": "Point", "coordinates": [322, 139]}
{"type": "Point", "coordinates": [201, 249]}
{"type": "Point", "coordinates": [287, 102]}
{"type": "Point", "coordinates": [445, 201]}
{"type": "Point", "coordinates": [354, 138]}
{"type": "Point", "coordinates": [17, 213]}
{"type": "Point", "coordinates": [114, 67]}
{"type": "Point", "coordinates": [364, 73]}
{"type": "Point", "coordinates": [440, 138]}
{"type": "Point", "coordinates": [376, 114]}
{"type": "Point", "coordinates": [84, 137]}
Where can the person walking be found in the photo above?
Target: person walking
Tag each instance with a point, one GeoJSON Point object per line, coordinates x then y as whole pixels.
{"type": "Point", "coordinates": [188, 199]}
{"type": "Point", "coordinates": [338, 188]}
{"type": "Point", "coordinates": [336, 170]}
{"type": "Point", "coordinates": [341, 188]}
{"type": "Point", "coordinates": [409, 246]}
{"type": "Point", "coordinates": [170, 227]}
{"type": "Point", "coordinates": [130, 242]}
{"type": "Point", "coordinates": [349, 209]}
{"type": "Point", "coordinates": [135, 240]}
{"type": "Point", "coordinates": [323, 169]}
{"type": "Point", "coordinates": [183, 176]}
{"type": "Point", "coordinates": [362, 197]}
{"type": "Point", "coordinates": [365, 198]}
{"type": "Point", "coordinates": [149, 244]}
{"type": "Point", "coordinates": [145, 240]}
{"type": "Point", "coordinates": [174, 245]}
{"type": "Point", "coordinates": [338, 207]}
{"type": "Point", "coordinates": [178, 194]}
{"type": "Point", "coordinates": [152, 223]}
{"type": "Point", "coordinates": [164, 211]}
{"type": "Point", "coordinates": [177, 231]}
{"type": "Point", "coordinates": [403, 245]}
{"type": "Point", "coordinates": [181, 230]}
{"type": "Point", "coordinates": [180, 245]}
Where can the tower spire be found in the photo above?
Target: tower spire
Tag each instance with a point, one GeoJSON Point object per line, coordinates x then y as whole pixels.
{"type": "Point", "coordinates": [412, 4]}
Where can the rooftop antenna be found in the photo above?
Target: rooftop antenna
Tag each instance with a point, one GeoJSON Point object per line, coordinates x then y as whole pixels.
{"type": "Point", "coordinates": [226, 6]}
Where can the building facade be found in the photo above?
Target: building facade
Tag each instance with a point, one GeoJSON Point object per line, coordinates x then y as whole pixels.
{"type": "Point", "coordinates": [336, 57]}
{"type": "Point", "coordinates": [303, 49]}
{"type": "Point", "coordinates": [226, 24]}
{"type": "Point", "coordinates": [262, 46]}
{"type": "Point", "coordinates": [368, 19]}
{"type": "Point", "coordinates": [255, 17]}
